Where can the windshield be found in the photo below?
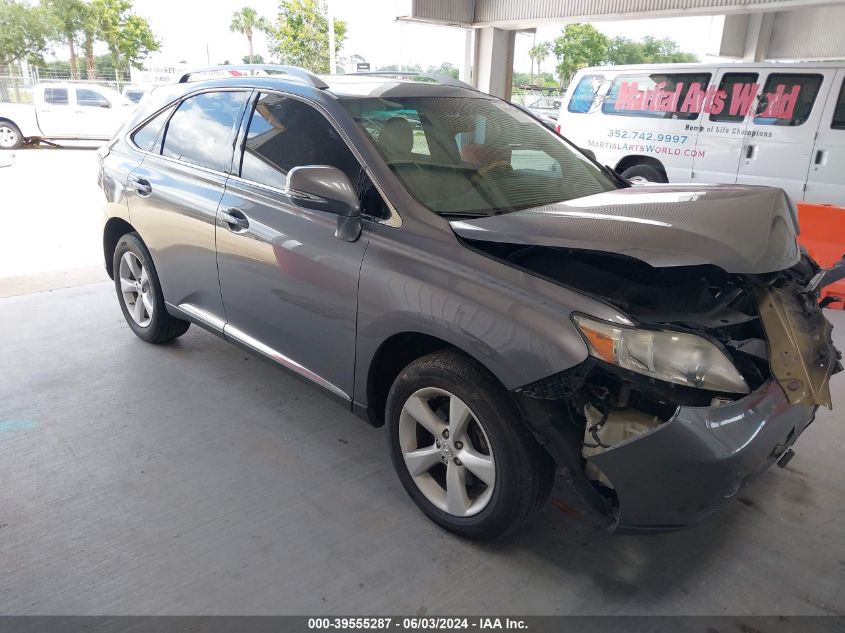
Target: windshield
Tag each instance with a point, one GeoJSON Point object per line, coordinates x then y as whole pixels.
{"type": "Point", "coordinates": [474, 156]}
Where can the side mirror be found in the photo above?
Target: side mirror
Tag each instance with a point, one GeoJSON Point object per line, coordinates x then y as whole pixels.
{"type": "Point", "coordinates": [589, 153]}
{"type": "Point", "coordinates": [325, 188]}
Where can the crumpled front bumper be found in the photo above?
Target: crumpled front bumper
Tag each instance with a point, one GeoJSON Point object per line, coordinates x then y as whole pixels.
{"type": "Point", "coordinates": [685, 469]}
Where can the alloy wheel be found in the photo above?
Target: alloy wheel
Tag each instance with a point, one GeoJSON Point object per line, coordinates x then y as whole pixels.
{"type": "Point", "coordinates": [447, 452]}
{"type": "Point", "coordinates": [136, 289]}
{"type": "Point", "coordinates": [8, 137]}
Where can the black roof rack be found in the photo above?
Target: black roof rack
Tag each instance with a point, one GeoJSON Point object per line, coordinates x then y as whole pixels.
{"type": "Point", "coordinates": [294, 72]}
{"type": "Point", "coordinates": [446, 80]}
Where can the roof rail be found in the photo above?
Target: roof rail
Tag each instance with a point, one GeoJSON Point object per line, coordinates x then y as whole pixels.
{"type": "Point", "coordinates": [446, 80]}
{"type": "Point", "coordinates": [295, 72]}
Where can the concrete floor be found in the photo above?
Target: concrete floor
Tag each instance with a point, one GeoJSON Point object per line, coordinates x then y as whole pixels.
{"type": "Point", "coordinates": [196, 479]}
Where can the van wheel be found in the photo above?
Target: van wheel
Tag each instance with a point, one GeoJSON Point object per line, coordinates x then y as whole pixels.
{"type": "Point", "coordinates": [460, 448]}
{"type": "Point", "coordinates": [647, 172]}
{"type": "Point", "coordinates": [10, 135]}
{"type": "Point", "coordinates": [139, 293]}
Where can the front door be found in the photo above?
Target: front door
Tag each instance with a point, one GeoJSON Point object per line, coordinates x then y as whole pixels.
{"type": "Point", "coordinates": [779, 136]}
{"type": "Point", "coordinates": [826, 178]}
{"type": "Point", "coordinates": [290, 287]}
{"type": "Point", "coordinates": [175, 193]}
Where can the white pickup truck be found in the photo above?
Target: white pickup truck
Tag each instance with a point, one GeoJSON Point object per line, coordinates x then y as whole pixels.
{"type": "Point", "coordinates": [63, 112]}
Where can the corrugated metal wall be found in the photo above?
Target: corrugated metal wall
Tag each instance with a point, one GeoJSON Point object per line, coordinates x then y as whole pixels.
{"type": "Point", "coordinates": [808, 34]}
{"type": "Point", "coordinates": [450, 11]}
{"type": "Point", "coordinates": [487, 11]}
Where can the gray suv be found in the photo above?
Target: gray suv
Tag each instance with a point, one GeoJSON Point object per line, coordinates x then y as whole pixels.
{"type": "Point", "coordinates": [444, 265]}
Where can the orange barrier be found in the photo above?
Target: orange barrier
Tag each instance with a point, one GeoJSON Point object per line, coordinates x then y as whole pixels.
{"type": "Point", "coordinates": [823, 235]}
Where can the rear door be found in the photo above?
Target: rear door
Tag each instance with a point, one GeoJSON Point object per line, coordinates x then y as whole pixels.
{"type": "Point", "coordinates": [720, 139]}
{"type": "Point", "coordinates": [175, 193]}
{"type": "Point", "coordinates": [55, 114]}
{"type": "Point", "coordinates": [778, 139]}
{"type": "Point", "coordinates": [826, 178]}
{"type": "Point", "coordinates": [290, 287]}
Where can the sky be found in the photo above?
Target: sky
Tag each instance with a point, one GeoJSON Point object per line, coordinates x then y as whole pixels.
{"type": "Point", "coordinates": [197, 31]}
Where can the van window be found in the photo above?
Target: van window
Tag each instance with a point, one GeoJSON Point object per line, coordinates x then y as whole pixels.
{"type": "Point", "coordinates": [787, 99]}
{"type": "Point", "coordinates": [658, 95]}
{"type": "Point", "coordinates": [56, 96]}
{"type": "Point", "coordinates": [285, 133]}
{"type": "Point", "coordinates": [739, 90]}
{"type": "Point", "coordinates": [585, 93]}
{"type": "Point", "coordinates": [149, 136]}
{"type": "Point", "coordinates": [838, 122]}
{"type": "Point", "coordinates": [202, 130]}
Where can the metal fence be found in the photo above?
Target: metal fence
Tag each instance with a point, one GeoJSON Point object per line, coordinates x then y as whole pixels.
{"type": "Point", "coordinates": [17, 88]}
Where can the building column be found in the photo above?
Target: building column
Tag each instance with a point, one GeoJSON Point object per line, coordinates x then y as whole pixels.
{"type": "Point", "coordinates": [744, 36]}
{"type": "Point", "coordinates": [493, 68]}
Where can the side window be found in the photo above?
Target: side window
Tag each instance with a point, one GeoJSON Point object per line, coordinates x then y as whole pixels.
{"type": "Point", "coordinates": [285, 133]}
{"type": "Point", "coordinates": [91, 99]}
{"type": "Point", "coordinates": [55, 96]}
{"type": "Point", "coordinates": [534, 160]}
{"type": "Point", "coordinates": [149, 136]}
{"type": "Point", "coordinates": [838, 122]}
{"type": "Point", "coordinates": [787, 99]}
{"type": "Point", "coordinates": [658, 95]}
{"type": "Point", "coordinates": [585, 93]}
{"type": "Point", "coordinates": [202, 130]}
{"type": "Point", "coordinates": [739, 90]}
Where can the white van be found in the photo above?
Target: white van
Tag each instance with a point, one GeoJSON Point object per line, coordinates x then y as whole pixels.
{"type": "Point", "coordinates": [779, 124]}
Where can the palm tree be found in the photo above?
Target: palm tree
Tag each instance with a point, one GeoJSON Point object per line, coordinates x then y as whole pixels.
{"type": "Point", "coordinates": [538, 53]}
{"type": "Point", "coordinates": [245, 22]}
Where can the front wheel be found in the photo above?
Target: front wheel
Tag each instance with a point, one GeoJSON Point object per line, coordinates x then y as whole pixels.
{"type": "Point", "coordinates": [646, 172]}
{"type": "Point", "coordinates": [461, 450]}
{"type": "Point", "coordinates": [10, 135]}
{"type": "Point", "coordinates": [139, 293]}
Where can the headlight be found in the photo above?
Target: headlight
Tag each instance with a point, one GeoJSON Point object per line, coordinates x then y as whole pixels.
{"type": "Point", "coordinates": [685, 359]}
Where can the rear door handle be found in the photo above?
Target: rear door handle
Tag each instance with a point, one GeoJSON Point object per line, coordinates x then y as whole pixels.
{"type": "Point", "coordinates": [821, 155]}
{"type": "Point", "coordinates": [235, 219]}
{"type": "Point", "coordinates": [141, 186]}
{"type": "Point", "coordinates": [751, 151]}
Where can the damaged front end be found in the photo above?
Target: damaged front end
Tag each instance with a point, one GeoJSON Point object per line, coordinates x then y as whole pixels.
{"type": "Point", "coordinates": [714, 381]}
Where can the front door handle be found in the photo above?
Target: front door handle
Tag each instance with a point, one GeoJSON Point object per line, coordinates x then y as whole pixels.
{"type": "Point", "coordinates": [141, 186]}
{"type": "Point", "coordinates": [751, 152]}
{"type": "Point", "coordinates": [235, 219]}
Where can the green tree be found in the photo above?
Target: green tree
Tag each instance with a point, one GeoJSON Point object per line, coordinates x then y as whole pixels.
{"type": "Point", "coordinates": [67, 17]}
{"type": "Point", "coordinates": [650, 50]}
{"type": "Point", "coordinates": [538, 53]}
{"type": "Point", "coordinates": [300, 34]}
{"type": "Point", "coordinates": [577, 46]}
{"type": "Point", "coordinates": [128, 36]}
{"type": "Point", "coordinates": [446, 68]}
{"type": "Point", "coordinates": [245, 22]}
{"type": "Point", "coordinates": [255, 59]}
{"type": "Point", "coordinates": [623, 50]}
{"type": "Point", "coordinates": [24, 32]}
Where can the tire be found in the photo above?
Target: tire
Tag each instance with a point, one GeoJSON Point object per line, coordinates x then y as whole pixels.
{"type": "Point", "coordinates": [518, 471]}
{"type": "Point", "coordinates": [10, 135]}
{"type": "Point", "coordinates": [135, 274]}
{"type": "Point", "coordinates": [652, 174]}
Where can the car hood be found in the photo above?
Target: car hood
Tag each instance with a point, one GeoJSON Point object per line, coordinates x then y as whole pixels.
{"type": "Point", "coordinates": [741, 229]}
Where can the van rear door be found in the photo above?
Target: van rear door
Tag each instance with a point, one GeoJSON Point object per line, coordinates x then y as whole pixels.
{"type": "Point", "coordinates": [778, 139]}
{"type": "Point", "coordinates": [825, 183]}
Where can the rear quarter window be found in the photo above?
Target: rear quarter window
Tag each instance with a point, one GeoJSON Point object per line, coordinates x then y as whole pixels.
{"type": "Point", "coordinates": [149, 136]}
{"type": "Point", "coordinates": [838, 122]}
{"type": "Point", "coordinates": [584, 94]}
{"type": "Point", "coordinates": [55, 96]}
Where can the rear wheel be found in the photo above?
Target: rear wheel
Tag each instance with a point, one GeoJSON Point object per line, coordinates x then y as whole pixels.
{"type": "Point", "coordinates": [460, 448]}
{"type": "Point", "coordinates": [139, 293]}
{"type": "Point", "coordinates": [646, 172]}
{"type": "Point", "coordinates": [10, 135]}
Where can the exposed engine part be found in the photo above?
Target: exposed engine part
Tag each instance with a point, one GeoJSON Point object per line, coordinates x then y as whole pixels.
{"type": "Point", "coordinates": [606, 429]}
